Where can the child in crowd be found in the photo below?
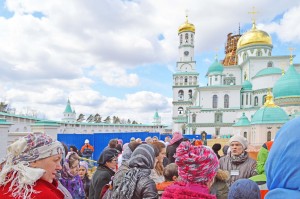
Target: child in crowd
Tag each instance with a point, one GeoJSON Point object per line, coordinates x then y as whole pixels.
{"type": "Point", "coordinates": [70, 178]}
{"type": "Point", "coordinates": [171, 175]}
{"type": "Point", "coordinates": [83, 173]}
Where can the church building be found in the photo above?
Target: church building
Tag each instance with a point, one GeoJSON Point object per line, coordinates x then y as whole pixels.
{"type": "Point", "coordinates": [234, 99]}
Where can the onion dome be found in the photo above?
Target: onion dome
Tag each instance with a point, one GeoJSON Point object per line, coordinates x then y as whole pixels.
{"type": "Point", "coordinates": [247, 85]}
{"type": "Point", "coordinates": [216, 67]}
{"type": "Point", "coordinates": [269, 113]}
{"type": "Point", "coordinates": [254, 36]}
{"type": "Point", "coordinates": [186, 27]}
{"type": "Point", "coordinates": [243, 121]}
{"type": "Point", "coordinates": [268, 71]}
{"type": "Point", "coordinates": [288, 85]}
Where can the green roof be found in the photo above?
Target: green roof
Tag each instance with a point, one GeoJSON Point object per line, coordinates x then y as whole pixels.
{"type": "Point", "coordinates": [216, 67]}
{"type": "Point", "coordinates": [288, 85]}
{"type": "Point", "coordinates": [4, 122]}
{"type": "Point", "coordinates": [268, 71]}
{"type": "Point", "coordinates": [68, 108]}
{"type": "Point", "coordinates": [247, 85]}
{"type": "Point", "coordinates": [185, 73]}
{"type": "Point", "coordinates": [156, 116]}
{"type": "Point", "coordinates": [243, 121]}
{"type": "Point", "coordinates": [46, 123]}
{"type": "Point", "coordinates": [269, 115]}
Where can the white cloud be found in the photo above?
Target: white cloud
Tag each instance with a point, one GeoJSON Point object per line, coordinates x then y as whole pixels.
{"type": "Point", "coordinates": [78, 45]}
{"type": "Point", "coordinates": [287, 29]}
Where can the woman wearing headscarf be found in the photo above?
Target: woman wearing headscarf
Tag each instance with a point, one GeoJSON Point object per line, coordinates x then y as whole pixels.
{"type": "Point", "coordinates": [197, 167]}
{"type": "Point", "coordinates": [107, 163]}
{"type": "Point", "coordinates": [282, 167]}
{"type": "Point", "coordinates": [30, 168]}
{"type": "Point", "coordinates": [237, 162]}
{"type": "Point", "coordinates": [83, 174]}
{"type": "Point", "coordinates": [124, 166]}
{"type": "Point", "coordinates": [136, 183]}
{"type": "Point", "coordinates": [70, 178]}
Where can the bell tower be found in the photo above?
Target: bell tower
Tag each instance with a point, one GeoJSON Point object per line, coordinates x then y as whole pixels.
{"type": "Point", "coordinates": [186, 78]}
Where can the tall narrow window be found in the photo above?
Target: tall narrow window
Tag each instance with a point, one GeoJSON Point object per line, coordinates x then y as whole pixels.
{"type": "Point", "coordinates": [215, 101]}
{"type": "Point", "coordinates": [194, 118]}
{"type": "Point", "coordinates": [190, 94]}
{"type": "Point", "coordinates": [244, 56]}
{"type": "Point", "coordinates": [180, 95]}
{"type": "Point", "coordinates": [247, 99]}
{"type": "Point", "coordinates": [264, 99]}
{"type": "Point", "coordinates": [269, 136]}
{"type": "Point", "coordinates": [186, 37]}
{"type": "Point", "coordinates": [245, 135]}
{"type": "Point", "coordinates": [255, 101]}
{"type": "Point", "coordinates": [226, 101]}
{"type": "Point", "coordinates": [242, 99]}
{"type": "Point", "coordinates": [180, 39]}
{"type": "Point", "coordinates": [192, 39]}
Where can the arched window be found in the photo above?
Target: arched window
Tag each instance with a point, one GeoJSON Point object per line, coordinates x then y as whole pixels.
{"type": "Point", "coordinates": [255, 101]}
{"type": "Point", "coordinates": [247, 99]}
{"type": "Point", "coordinates": [270, 64]}
{"type": "Point", "coordinates": [264, 99]}
{"type": "Point", "coordinates": [215, 101]}
{"type": "Point", "coordinates": [242, 99]}
{"type": "Point", "coordinates": [180, 95]}
{"type": "Point", "coordinates": [244, 56]}
{"type": "Point", "coordinates": [180, 111]}
{"type": "Point", "coordinates": [259, 53]}
{"type": "Point", "coordinates": [194, 118]}
{"type": "Point", "coordinates": [269, 136]}
{"type": "Point", "coordinates": [245, 135]}
{"type": "Point", "coordinates": [226, 101]}
{"type": "Point", "coordinates": [185, 79]}
{"type": "Point", "coordinates": [192, 39]}
{"type": "Point", "coordinates": [186, 37]}
{"type": "Point", "coordinates": [190, 94]}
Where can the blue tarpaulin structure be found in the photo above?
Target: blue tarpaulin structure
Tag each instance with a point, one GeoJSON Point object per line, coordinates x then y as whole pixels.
{"type": "Point", "coordinates": [100, 140]}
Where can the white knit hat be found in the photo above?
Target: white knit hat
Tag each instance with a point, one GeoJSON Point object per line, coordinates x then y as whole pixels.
{"type": "Point", "coordinates": [240, 139]}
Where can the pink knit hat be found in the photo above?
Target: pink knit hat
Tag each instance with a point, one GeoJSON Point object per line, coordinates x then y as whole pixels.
{"type": "Point", "coordinates": [176, 137]}
{"type": "Point", "coordinates": [196, 164]}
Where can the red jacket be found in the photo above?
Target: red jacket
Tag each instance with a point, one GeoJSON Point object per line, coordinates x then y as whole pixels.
{"type": "Point", "coordinates": [45, 189]}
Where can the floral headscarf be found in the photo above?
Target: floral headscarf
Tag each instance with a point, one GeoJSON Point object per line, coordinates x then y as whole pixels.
{"type": "Point", "coordinates": [20, 154]}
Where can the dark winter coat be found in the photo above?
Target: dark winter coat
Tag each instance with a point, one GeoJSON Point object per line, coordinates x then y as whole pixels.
{"type": "Point", "coordinates": [171, 150]}
{"type": "Point", "coordinates": [101, 177]}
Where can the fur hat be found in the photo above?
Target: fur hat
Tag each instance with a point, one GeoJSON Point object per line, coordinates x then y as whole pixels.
{"type": "Point", "coordinates": [196, 164]}
{"type": "Point", "coordinates": [240, 139]}
{"type": "Point", "coordinates": [244, 188]}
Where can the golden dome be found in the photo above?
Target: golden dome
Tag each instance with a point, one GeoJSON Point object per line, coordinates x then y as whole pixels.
{"type": "Point", "coordinates": [254, 36]}
{"type": "Point", "coordinates": [186, 27]}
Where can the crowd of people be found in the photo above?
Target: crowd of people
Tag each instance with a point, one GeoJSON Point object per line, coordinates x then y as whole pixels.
{"type": "Point", "coordinates": [36, 166]}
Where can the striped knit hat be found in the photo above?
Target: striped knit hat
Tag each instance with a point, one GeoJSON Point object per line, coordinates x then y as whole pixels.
{"type": "Point", "coordinates": [196, 164]}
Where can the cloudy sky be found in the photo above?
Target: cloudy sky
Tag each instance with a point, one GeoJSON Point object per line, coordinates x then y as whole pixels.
{"type": "Point", "coordinates": [116, 57]}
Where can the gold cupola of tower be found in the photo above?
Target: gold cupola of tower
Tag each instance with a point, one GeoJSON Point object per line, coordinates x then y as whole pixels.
{"type": "Point", "coordinates": [186, 26]}
{"type": "Point", "coordinates": [254, 36]}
